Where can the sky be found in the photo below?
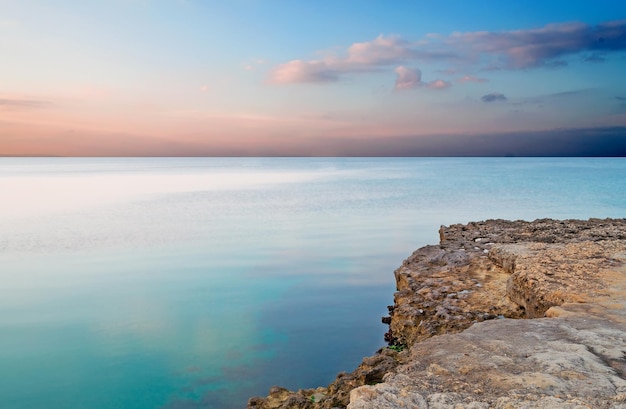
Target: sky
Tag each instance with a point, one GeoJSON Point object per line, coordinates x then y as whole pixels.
{"type": "Point", "coordinates": [312, 78]}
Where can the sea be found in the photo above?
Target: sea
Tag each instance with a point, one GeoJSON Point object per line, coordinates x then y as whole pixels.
{"type": "Point", "coordinates": [170, 283]}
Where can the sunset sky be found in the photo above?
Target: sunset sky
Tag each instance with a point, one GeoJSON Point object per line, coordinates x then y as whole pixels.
{"type": "Point", "coordinates": [323, 77]}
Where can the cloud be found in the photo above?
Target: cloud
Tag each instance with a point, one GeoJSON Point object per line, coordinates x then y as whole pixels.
{"type": "Point", "coordinates": [471, 78]}
{"type": "Point", "coordinates": [410, 78]}
{"type": "Point", "coordinates": [9, 103]}
{"type": "Point", "coordinates": [555, 96]}
{"type": "Point", "coordinates": [621, 98]}
{"type": "Point", "coordinates": [544, 46]}
{"type": "Point", "coordinates": [594, 58]}
{"type": "Point", "coordinates": [548, 46]}
{"type": "Point", "coordinates": [439, 84]}
{"type": "Point", "coordinates": [392, 50]}
{"type": "Point", "coordinates": [569, 94]}
{"type": "Point", "coordinates": [363, 57]}
{"type": "Point", "coordinates": [298, 71]}
{"type": "Point", "coordinates": [493, 97]}
{"type": "Point", "coordinates": [380, 51]}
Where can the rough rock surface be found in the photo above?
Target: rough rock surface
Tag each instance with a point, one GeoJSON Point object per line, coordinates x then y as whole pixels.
{"type": "Point", "coordinates": [453, 321]}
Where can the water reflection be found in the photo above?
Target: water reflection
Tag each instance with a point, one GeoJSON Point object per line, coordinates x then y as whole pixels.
{"type": "Point", "coordinates": [175, 283]}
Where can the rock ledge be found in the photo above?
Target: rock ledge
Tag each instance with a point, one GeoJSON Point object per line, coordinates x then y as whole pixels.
{"type": "Point", "coordinates": [457, 334]}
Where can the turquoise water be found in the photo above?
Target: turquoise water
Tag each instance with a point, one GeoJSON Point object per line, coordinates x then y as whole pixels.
{"type": "Point", "coordinates": [196, 283]}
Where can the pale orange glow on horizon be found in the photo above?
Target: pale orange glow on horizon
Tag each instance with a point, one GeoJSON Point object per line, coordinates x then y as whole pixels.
{"type": "Point", "coordinates": [160, 83]}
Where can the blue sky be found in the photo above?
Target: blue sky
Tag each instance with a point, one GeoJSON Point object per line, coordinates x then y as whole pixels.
{"type": "Point", "coordinates": [247, 77]}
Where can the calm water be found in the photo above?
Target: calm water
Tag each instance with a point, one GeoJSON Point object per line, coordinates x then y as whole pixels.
{"type": "Point", "coordinates": [188, 283]}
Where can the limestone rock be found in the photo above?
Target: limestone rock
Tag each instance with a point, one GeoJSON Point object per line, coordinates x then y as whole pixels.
{"type": "Point", "coordinates": [458, 315]}
{"type": "Point", "coordinates": [282, 398]}
{"type": "Point", "coordinates": [385, 396]}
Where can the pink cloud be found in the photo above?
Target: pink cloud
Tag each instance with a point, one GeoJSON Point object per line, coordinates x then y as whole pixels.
{"type": "Point", "coordinates": [298, 71]}
{"type": "Point", "coordinates": [360, 57]}
{"type": "Point", "coordinates": [471, 78]}
{"type": "Point", "coordinates": [526, 48]}
{"type": "Point", "coordinates": [382, 50]}
{"type": "Point", "coordinates": [439, 84]}
{"type": "Point", "coordinates": [408, 78]}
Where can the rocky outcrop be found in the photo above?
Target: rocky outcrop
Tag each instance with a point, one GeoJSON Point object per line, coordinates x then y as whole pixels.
{"type": "Point", "coordinates": [457, 334]}
{"type": "Point", "coordinates": [337, 394]}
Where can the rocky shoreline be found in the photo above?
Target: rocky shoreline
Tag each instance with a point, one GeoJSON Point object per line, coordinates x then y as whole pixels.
{"type": "Point", "coordinates": [501, 314]}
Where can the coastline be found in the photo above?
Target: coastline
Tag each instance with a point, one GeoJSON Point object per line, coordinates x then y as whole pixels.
{"type": "Point", "coordinates": [498, 314]}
